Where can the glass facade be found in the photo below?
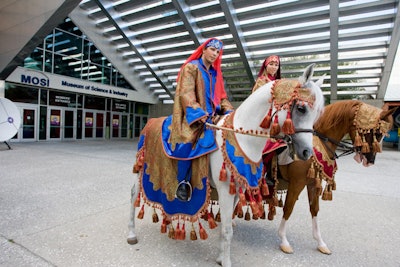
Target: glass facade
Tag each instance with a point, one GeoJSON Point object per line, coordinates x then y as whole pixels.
{"type": "Point", "coordinates": [66, 51]}
{"type": "Point", "coordinates": [56, 114]}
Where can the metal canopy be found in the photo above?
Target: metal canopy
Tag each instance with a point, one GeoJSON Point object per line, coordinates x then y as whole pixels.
{"type": "Point", "coordinates": [353, 42]}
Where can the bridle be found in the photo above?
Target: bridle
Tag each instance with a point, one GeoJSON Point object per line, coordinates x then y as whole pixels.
{"type": "Point", "coordinates": [346, 146]}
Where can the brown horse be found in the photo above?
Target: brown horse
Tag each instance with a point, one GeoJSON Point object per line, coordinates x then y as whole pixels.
{"type": "Point", "coordinates": [365, 125]}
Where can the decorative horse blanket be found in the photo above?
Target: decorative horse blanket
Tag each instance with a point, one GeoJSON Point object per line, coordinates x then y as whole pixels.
{"type": "Point", "coordinates": [162, 173]}
{"type": "Point", "coordinates": [323, 167]}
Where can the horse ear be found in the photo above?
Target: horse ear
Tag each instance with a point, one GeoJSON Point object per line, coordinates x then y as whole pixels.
{"type": "Point", "coordinates": [308, 73]}
{"type": "Point", "coordinates": [384, 114]}
{"type": "Point", "coordinates": [320, 81]}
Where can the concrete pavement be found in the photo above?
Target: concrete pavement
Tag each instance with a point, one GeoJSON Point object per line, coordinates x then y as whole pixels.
{"type": "Point", "coordinates": [67, 204]}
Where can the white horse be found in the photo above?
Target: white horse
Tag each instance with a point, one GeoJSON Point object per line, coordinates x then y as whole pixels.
{"type": "Point", "coordinates": [248, 116]}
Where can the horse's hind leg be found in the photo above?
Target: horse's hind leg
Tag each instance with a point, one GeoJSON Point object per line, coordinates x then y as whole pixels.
{"type": "Point", "coordinates": [314, 208]}
{"type": "Point", "coordinates": [132, 239]}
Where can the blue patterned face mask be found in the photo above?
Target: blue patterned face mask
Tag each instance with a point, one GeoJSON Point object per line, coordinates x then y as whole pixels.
{"type": "Point", "coordinates": [215, 43]}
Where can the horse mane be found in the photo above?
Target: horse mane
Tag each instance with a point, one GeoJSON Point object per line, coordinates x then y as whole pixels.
{"type": "Point", "coordinates": [337, 115]}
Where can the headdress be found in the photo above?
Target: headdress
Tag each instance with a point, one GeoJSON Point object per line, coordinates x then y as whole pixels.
{"type": "Point", "coordinates": [219, 86]}
{"type": "Point", "coordinates": [367, 120]}
{"type": "Point", "coordinates": [265, 64]}
{"type": "Point", "coordinates": [215, 43]}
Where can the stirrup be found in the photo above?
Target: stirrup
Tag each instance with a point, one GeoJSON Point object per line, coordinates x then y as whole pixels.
{"type": "Point", "coordinates": [184, 191]}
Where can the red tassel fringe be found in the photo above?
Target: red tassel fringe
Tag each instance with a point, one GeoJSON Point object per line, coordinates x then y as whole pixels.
{"type": "Point", "coordinates": [222, 173]}
{"type": "Point", "coordinates": [288, 127]}
{"type": "Point", "coordinates": [275, 129]}
{"type": "Point", "coordinates": [232, 186]}
{"type": "Point", "coordinates": [266, 122]}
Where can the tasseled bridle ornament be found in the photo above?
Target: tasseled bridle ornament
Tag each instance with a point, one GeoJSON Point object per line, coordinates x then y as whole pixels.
{"type": "Point", "coordinates": [284, 93]}
{"type": "Point", "coordinates": [367, 121]}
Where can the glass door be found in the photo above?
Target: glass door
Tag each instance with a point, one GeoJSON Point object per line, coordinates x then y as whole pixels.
{"type": "Point", "coordinates": [68, 124]}
{"type": "Point", "coordinates": [55, 123]}
{"type": "Point", "coordinates": [28, 124]}
{"type": "Point", "coordinates": [99, 125]}
{"type": "Point", "coordinates": [115, 125]}
{"type": "Point", "coordinates": [124, 126]}
{"type": "Point", "coordinates": [89, 124]}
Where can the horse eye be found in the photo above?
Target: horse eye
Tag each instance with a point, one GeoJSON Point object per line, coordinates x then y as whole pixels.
{"type": "Point", "coordinates": [302, 109]}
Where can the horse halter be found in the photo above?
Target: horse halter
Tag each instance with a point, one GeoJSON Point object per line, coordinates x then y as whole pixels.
{"type": "Point", "coordinates": [367, 125]}
{"type": "Point", "coordinates": [347, 147]}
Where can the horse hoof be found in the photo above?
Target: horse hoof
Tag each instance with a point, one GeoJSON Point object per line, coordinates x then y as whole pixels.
{"type": "Point", "coordinates": [325, 250]}
{"type": "Point", "coordinates": [132, 240]}
{"type": "Point", "coordinates": [287, 249]}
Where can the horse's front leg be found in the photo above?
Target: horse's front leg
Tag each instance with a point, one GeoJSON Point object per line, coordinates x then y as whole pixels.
{"type": "Point", "coordinates": [314, 208]}
{"type": "Point", "coordinates": [295, 187]}
{"type": "Point", "coordinates": [132, 239]}
{"type": "Point", "coordinates": [226, 202]}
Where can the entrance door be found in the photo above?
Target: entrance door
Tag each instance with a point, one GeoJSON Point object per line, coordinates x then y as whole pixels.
{"type": "Point", "coordinates": [94, 124]}
{"type": "Point", "coordinates": [55, 123]}
{"type": "Point", "coordinates": [27, 130]}
{"type": "Point", "coordinates": [61, 123]}
{"type": "Point", "coordinates": [89, 124]}
{"type": "Point", "coordinates": [28, 124]}
{"type": "Point", "coordinates": [115, 125]}
{"type": "Point", "coordinates": [99, 125]}
{"type": "Point", "coordinates": [68, 124]}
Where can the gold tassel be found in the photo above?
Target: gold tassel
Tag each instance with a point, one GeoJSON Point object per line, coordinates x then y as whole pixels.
{"type": "Point", "coordinates": [311, 171]}
{"type": "Point", "coordinates": [266, 122]}
{"type": "Point", "coordinates": [222, 173]}
{"type": "Point", "coordinates": [218, 216]}
{"type": "Point", "coordinates": [202, 232]}
{"type": "Point", "coordinates": [253, 206]}
{"type": "Point", "coordinates": [357, 140]}
{"type": "Point", "coordinates": [183, 232]}
{"type": "Point", "coordinates": [264, 188]}
{"type": "Point", "coordinates": [365, 146]}
{"type": "Point", "coordinates": [271, 212]}
{"type": "Point", "coordinates": [155, 216]}
{"type": "Point", "coordinates": [376, 146]}
{"type": "Point", "coordinates": [242, 198]}
{"type": "Point", "coordinates": [318, 186]}
{"type": "Point", "coordinates": [330, 195]}
{"type": "Point", "coordinates": [211, 222]}
{"type": "Point", "coordinates": [325, 194]}
{"type": "Point", "coordinates": [211, 211]}
{"type": "Point", "coordinates": [232, 186]}
{"type": "Point", "coordinates": [260, 209]}
{"type": "Point", "coordinates": [247, 216]}
{"type": "Point", "coordinates": [164, 226]}
{"type": "Point", "coordinates": [288, 127]}
{"type": "Point", "coordinates": [239, 211]}
{"type": "Point", "coordinates": [139, 164]}
{"type": "Point", "coordinates": [137, 201]}
{"type": "Point", "coordinates": [275, 129]}
{"type": "Point", "coordinates": [141, 213]}
{"type": "Point", "coordinates": [255, 216]}
{"type": "Point", "coordinates": [171, 233]}
{"type": "Point", "coordinates": [193, 235]}
{"type": "Point", "coordinates": [263, 215]}
{"type": "Point", "coordinates": [177, 233]}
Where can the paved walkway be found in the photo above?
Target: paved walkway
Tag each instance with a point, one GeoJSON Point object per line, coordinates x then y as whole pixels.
{"type": "Point", "coordinates": [67, 204]}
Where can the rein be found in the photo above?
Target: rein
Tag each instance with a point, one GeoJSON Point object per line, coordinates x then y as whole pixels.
{"type": "Point", "coordinates": [256, 133]}
{"type": "Point", "coordinates": [347, 147]}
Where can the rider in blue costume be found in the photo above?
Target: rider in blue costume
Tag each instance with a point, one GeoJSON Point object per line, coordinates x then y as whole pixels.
{"type": "Point", "coordinates": [199, 97]}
